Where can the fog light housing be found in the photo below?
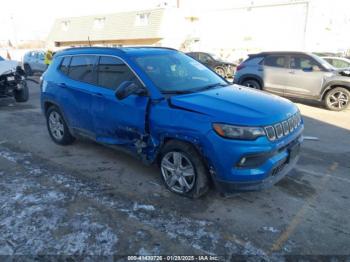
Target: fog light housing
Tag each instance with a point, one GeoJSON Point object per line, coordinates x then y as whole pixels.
{"type": "Point", "coordinates": [253, 160]}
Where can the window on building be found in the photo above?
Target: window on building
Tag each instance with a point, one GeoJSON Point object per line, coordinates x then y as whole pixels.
{"type": "Point", "coordinates": [65, 25]}
{"type": "Point", "coordinates": [99, 23]}
{"type": "Point", "coordinates": [82, 68]}
{"type": "Point", "coordinates": [275, 61]}
{"type": "Point", "coordinates": [142, 19]}
{"type": "Point", "coordinates": [112, 72]}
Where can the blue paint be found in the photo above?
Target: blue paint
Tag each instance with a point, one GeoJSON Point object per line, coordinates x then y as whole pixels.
{"type": "Point", "coordinates": [175, 110]}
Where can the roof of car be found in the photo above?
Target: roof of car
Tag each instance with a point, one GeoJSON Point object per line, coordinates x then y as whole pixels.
{"type": "Point", "coordinates": [278, 53]}
{"type": "Point", "coordinates": [335, 57]}
{"type": "Point", "coordinates": [139, 50]}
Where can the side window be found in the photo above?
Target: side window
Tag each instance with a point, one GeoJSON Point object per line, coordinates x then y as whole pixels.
{"type": "Point", "coordinates": [64, 67]}
{"type": "Point", "coordinates": [204, 58]}
{"type": "Point", "coordinates": [193, 55]}
{"type": "Point", "coordinates": [111, 72]}
{"type": "Point", "coordinates": [275, 61]}
{"type": "Point", "coordinates": [82, 68]}
{"type": "Point", "coordinates": [302, 62]}
{"type": "Point", "coordinates": [41, 56]}
{"type": "Point", "coordinates": [340, 63]}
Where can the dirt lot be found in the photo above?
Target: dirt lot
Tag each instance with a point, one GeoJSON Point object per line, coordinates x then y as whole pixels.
{"type": "Point", "coordinates": [89, 199]}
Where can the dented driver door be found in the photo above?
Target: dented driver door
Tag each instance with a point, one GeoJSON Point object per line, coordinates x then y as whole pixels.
{"type": "Point", "coordinates": [117, 122]}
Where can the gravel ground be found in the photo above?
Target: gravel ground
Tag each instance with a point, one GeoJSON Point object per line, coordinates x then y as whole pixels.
{"type": "Point", "coordinates": [86, 199]}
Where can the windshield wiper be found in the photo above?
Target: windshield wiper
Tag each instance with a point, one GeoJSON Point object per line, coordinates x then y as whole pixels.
{"type": "Point", "coordinates": [178, 92]}
{"type": "Point", "coordinates": [211, 86]}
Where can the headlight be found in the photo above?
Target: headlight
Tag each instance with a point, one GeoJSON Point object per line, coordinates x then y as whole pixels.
{"type": "Point", "coordinates": [238, 132]}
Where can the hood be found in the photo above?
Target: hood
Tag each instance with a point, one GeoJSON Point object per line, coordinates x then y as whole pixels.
{"type": "Point", "coordinates": [7, 66]}
{"type": "Point", "coordinates": [237, 105]}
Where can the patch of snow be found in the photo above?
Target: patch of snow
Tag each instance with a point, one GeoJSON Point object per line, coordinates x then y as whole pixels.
{"type": "Point", "coordinates": [8, 157]}
{"type": "Point", "coordinates": [144, 207]}
{"type": "Point", "coordinates": [271, 229]}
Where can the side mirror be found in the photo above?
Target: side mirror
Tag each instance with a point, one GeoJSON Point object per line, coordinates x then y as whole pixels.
{"type": "Point", "coordinates": [128, 88]}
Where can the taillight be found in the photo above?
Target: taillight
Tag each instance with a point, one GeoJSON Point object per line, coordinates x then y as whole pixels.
{"type": "Point", "coordinates": [240, 66]}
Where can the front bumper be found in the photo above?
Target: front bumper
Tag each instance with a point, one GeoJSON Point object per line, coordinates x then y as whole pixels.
{"type": "Point", "coordinates": [269, 181]}
{"type": "Point", "coordinates": [228, 177]}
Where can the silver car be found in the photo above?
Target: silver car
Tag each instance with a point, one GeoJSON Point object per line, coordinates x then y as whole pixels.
{"type": "Point", "coordinates": [296, 74]}
{"type": "Point", "coordinates": [338, 62]}
{"type": "Point", "coordinates": [34, 61]}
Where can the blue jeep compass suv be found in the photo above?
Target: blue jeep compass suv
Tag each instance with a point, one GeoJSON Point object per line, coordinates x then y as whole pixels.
{"type": "Point", "coordinates": [167, 108]}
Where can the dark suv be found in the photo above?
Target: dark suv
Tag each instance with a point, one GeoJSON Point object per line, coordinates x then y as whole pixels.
{"type": "Point", "coordinates": [296, 74]}
{"type": "Point", "coordinates": [222, 68]}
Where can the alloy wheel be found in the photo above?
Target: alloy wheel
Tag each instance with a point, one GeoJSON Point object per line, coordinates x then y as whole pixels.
{"type": "Point", "coordinates": [338, 100]}
{"type": "Point", "coordinates": [56, 125]}
{"type": "Point", "coordinates": [220, 72]}
{"type": "Point", "coordinates": [178, 172]}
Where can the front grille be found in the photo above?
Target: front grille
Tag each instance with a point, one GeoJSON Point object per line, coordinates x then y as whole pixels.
{"type": "Point", "coordinates": [279, 167]}
{"type": "Point", "coordinates": [283, 128]}
{"type": "Point", "coordinates": [270, 132]}
{"type": "Point", "coordinates": [279, 130]}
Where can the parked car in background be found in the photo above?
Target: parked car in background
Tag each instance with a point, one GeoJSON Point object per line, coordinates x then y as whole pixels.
{"type": "Point", "coordinates": [338, 62]}
{"type": "Point", "coordinates": [222, 68]}
{"type": "Point", "coordinates": [296, 74]}
{"type": "Point", "coordinates": [12, 81]}
{"type": "Point", "coordinates": [34, 61]}
{"type": "Point", "coordinates": [169, 109]}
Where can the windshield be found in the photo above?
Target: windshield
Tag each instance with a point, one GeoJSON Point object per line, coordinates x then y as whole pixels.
{"type": "Point", "coordinates": [178, 73]}
{"type": "Point", "coordinates": [1, 59]}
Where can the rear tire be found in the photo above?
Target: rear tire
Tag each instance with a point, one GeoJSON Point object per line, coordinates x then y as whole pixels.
{"type": "Point", "coordinates": [28, 70]}
{"type": "Point", "coordinates": [337, 99]}
{"type": "Point", "coordinates": [220, 71]}
{"type": "Point", "coordinates": [57, 127]}
{"type": "Point", "coordinates": [252, 84]}
{"type": "Point", "coordinates": [183, 170]}
{"type": "Point", "coordinates": [22, 95]}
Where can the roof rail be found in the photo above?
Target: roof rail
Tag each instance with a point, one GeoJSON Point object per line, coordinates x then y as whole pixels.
{"type": "Point", "coordinates": [91, 47]}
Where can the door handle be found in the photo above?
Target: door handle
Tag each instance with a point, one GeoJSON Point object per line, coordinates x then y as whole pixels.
{"type": "Point", "coordinates": [292, 72]}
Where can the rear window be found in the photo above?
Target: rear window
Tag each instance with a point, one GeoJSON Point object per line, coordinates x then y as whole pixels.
{"type": "Point", "coordinates": [275, 61]}
{"type": "Point", "coordinates": [64, 67]}
{"type": "Point", "coordinates": [82, 68]}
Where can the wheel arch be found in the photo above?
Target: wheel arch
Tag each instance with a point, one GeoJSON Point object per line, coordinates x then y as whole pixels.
{"type": "Point", "coordinates": [251, 77]}
{"type": "Point", "coordinates": [195, 143]}
{"type": "Point", "coordinates": [49, 103]}
{"type": "Point", "coordinates": [331, 86]}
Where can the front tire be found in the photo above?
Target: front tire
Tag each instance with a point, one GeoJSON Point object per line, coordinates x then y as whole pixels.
{"type": "Point", "coordinates": [337, 99]}
{"type": "Point", "coordinates": [28, 70]}
{"type": "Point", "coordinates": [252, 83]}
{"type": "Point", "coordinates": [183, 170]}
{"type": "Point", "coordinates": [22, 95]}
{"type": "Point", "coordinates": [57, 127]}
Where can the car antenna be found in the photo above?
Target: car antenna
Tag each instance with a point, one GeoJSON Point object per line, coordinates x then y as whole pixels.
{"type": "Point", "coordinates": [89, 41]}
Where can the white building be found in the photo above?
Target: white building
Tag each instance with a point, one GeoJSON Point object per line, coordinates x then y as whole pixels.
{"type": "Point", "coordinates": [242, 26]}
